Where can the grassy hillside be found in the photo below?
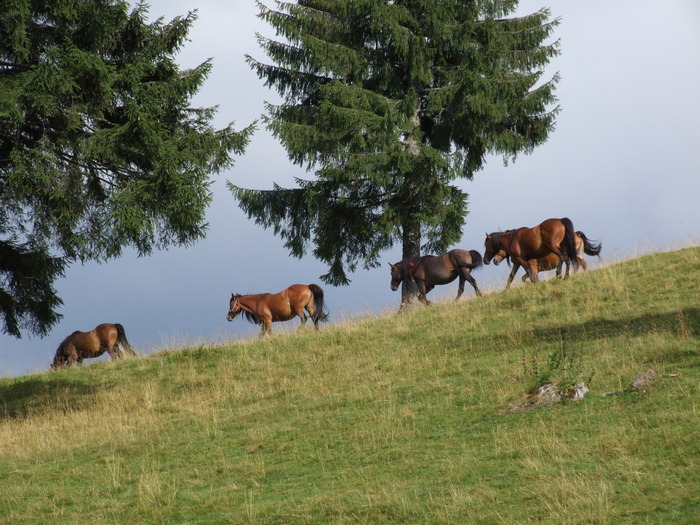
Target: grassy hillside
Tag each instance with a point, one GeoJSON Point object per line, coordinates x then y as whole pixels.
{"type": "Point", "coordinates": [409, 418]}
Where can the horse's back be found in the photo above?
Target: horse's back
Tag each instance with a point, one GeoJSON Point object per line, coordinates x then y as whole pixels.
{"type": "Point", "coordinates": [298, 289]}
{"type": "Point", "coordinates": [460, 255]}
{"type": "Point", "coordinates": [552, 229]}
{"type": "Point", "coordinates": [531, 243]}
{"type": "Point", "coordinates": [440, 269]}
{"type": "Point", "coordinates": [106, 333]}
{"type": "Point", "coordinates": [284, 303]}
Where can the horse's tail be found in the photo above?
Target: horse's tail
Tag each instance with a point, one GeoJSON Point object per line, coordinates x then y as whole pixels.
{"type": "Point", "coordinates": [477, 261]}
{"type": "Point", "coordinates": [121, 339]}
{"type": "Point", "coordinates": [570, 241]}
{"type": "Point", "coordinates": [590, 247]}
{"type": "Point", "coordinates": [319, 312]}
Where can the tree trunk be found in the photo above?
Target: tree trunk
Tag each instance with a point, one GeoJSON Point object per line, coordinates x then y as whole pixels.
{"type": "Point", "coordinates": [411, 227]}
{"type": "Point", "coordinates": [411, 248]}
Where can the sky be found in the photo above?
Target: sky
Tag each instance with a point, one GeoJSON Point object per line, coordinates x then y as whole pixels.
{"type": "Point", "coordinates": [622, 164]}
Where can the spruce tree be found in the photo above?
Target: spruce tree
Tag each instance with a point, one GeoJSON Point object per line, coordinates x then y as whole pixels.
{"type": "Point", "coordinates": [389, 102]}
{"type": "Point", "coordinates": [99, 146]}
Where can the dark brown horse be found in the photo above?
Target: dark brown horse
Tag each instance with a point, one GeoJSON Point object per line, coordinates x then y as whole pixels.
{"type": "Point", "coordinates": [105, 337]}
{"type": "Point", "coordinates": [430, 270]}
{"type": "Point", "coordinates": [553, 236]}
{"type": "Point", "coordinates": [266, 308]}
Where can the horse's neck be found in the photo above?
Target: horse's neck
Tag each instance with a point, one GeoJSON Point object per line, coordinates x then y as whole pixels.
{"type": "Point", "coordinates": [504, 241]}
{"type": "Point", "coordinates": [249, 303]}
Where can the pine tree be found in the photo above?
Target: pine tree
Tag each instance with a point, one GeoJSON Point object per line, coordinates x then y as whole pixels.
{"type": "Point", "coordinates": [389, 102]}
{"type": "Point", "coordinates": [99, 147]}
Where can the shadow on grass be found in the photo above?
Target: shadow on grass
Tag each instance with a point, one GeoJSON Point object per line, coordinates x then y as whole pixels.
{"type": "Point", "coordinates": [26, 396]}
{"type": "Point", "coordinates": [683, 321]}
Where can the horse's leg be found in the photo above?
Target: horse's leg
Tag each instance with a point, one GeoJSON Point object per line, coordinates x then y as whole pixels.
{"type": "Point", "coordinates": [114, 351]}
{"type": "Point", "coordinates": [70, 356]}
{"type": "Point", "coordinates": [266, 326]}
{"type": "Point", "coordinates": [312, 311]}
{"type": "Point", "coordinates": [302, 316]}
{"type": "Point", "coordinates": [582, 264]}
{"type": "Point", "coordinates": [460, 288]}
{"type": "Point", "coordinates": [513, 271]}
{"type": "Point", "coordinates": [467, 275]}
{"type": "Point", "coordinates": [568, 264]}
{"type": "Point", "coordinates": [422, 291]}
{"type": "Point", "coordinates": [517, 263]}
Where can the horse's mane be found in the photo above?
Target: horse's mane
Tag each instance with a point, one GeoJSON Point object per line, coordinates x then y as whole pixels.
{"type": "Point", "coordinates": [496, 236]}
{"type": "Point", "coordinates": [250, 316]}
{"type": "Point", "coordinates": [245, 313]}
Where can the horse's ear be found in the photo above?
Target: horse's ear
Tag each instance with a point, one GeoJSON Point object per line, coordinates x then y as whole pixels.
{"type": "Point", "coordinates": [487, 235]}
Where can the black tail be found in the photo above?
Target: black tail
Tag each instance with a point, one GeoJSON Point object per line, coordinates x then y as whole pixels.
{"type": "Point", "coordinates": [570, 241]}
{"type": "Point", "coordinates": [319, 313]}
{"type": "Point", "coordinates": [121, 339]}
{"type": "Point", "coordinates": [477, 261]}
{"type": "Point", "coordinates": [590, 247]}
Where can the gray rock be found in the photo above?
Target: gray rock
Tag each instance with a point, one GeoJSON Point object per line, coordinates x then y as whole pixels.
{"type": "Point", "coordinates": [644, 380]}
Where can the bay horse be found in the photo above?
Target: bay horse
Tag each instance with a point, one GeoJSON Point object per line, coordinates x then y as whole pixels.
{"type": "Point", "coordinates": [553, 236]}
{"type": "Point", "coordinates": [551, 261]}
{"type": "Point", "coordinates": [430, 270]}
{"type": "Point", "coordinates": [105, 337]}
{"type": "Point", "coordinates": [266, 308]}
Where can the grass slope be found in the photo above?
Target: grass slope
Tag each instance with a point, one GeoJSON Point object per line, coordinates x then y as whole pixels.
{"type": "Point", "coordinates": [398, 419]}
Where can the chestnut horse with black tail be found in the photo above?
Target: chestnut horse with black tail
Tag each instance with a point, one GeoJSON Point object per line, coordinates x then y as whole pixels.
{"type": "Point", "coordinates": [266, 308]}
{"type": "Point", "coordinates": [553, 236]}
{"type": "Point", "coordinates": [551, 261]}
{"type": "Point", "coordinates": [430, 270]}
{"type": "Point", "coordinates": [105, 337]}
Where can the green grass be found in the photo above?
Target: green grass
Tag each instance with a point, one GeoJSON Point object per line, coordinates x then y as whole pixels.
{"type": "Point", "coordinates": [395, 419]}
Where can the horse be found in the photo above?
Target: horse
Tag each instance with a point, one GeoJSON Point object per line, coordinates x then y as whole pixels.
{"type": "Point", "coordinates": [551, 261]}
{"type": "Point", "coordinates": [105, 337]}
{"type": "Point", "coordinates": [553, 236]}
{"type": "Point", "coordinates": [266, 308]}
{"type": "Point", "coordinates": [430, 270]}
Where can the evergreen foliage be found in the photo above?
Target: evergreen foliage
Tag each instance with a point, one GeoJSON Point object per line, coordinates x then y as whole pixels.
{"type": "Point", "coordinates": [99, 147]}
{"type": "Point", "coordinates": [389, 102]}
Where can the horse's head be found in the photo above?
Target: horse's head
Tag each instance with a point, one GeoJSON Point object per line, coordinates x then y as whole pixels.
{"type": "Point", "coordinates": [494, 250]}
{"type": "Point", "coordinates": [491, 247]}
{"type": "Point", "coordinates": [396, 276]}
{"type": "Point", "coordinates": [234, 306]}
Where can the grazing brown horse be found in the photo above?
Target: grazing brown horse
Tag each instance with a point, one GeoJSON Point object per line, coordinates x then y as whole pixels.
{"type": "Point", "coordinates": [105, 337]}
{"type": "Point", "coordinates": [430, 270]}
{"type": "Point", "coordinates": [266, 308]}
{"type": "Point", "coordinates": [553, 236]}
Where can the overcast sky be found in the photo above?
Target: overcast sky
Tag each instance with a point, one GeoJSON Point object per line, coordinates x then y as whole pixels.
{"type": "Point", "coordinates": [622, 164]}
